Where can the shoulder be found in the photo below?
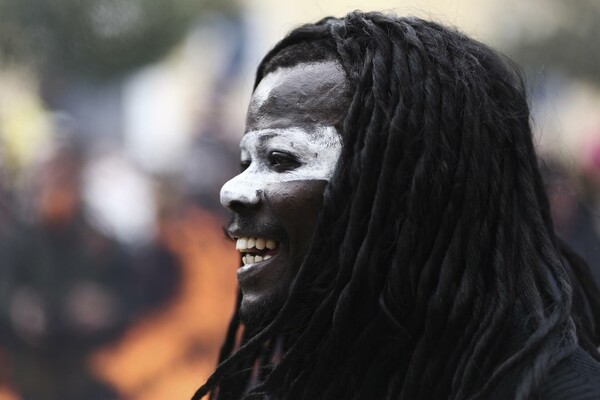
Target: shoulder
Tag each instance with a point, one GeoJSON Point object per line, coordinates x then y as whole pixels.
{"type": "Point", "coordinates": [577, 377]}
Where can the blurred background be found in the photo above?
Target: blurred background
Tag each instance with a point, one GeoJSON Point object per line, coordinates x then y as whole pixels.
{"type": "Point", "coordinates": [120, 121]}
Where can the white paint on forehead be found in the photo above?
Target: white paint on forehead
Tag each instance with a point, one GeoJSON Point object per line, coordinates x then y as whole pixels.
{"type": "Point", "coordinates": [265, 87]}
{"type": "Point", "coordinates": [277, 77]}
{"type": "Point", "coordinates": [317, 151]}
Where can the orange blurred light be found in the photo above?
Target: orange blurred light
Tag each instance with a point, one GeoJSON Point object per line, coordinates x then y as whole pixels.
{"type": "Point", "coordinates": [168, 354]}
{"type": "Point", "coordinates": [7, 394]}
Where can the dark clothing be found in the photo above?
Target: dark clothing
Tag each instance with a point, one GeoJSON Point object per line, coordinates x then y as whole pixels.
{"type": "Point", "coordinates": [575, 378]}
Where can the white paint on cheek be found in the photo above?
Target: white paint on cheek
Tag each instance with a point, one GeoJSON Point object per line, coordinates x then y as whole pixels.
{"type": "Point", "coordinates": [325, 149]}
{"type": "Point", "coordinates": [316, 150]}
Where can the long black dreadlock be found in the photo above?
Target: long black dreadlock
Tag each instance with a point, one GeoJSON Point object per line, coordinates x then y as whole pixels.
{"type": "Point", "coordinates": [440, 229]}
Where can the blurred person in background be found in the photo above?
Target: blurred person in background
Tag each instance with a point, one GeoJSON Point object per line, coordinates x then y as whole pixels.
{"type": "Point", "coordinates": [70, 287]}
{"type": "Point", "coordinates": [67, 287]}
{"type": "Point", "coordinates": [395, 238]}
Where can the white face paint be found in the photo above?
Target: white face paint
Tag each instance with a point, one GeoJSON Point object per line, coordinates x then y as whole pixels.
{"type": "Point", "coordinates": [282, 155]}
{"type": "Point", "coordinates": [262, 92]}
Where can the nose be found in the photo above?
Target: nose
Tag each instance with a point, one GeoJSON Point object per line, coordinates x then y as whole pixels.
{"type": "Point", "coordinates": [239, 192]}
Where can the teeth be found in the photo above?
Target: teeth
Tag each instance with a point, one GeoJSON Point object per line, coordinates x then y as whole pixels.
{"type": "Point", "coordinates": [245, 243]}
{"type": "Point", "coordinates": [250, 259]}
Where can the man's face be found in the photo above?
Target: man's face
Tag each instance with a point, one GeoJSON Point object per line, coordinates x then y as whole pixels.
{"type": "Point", "coordinates": [288, 154]}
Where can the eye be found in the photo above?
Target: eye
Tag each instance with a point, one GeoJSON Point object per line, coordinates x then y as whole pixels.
{"type": "Point", "coordinates": [244, 164]}
{"type": "Point", "coordinates": [282, 161]}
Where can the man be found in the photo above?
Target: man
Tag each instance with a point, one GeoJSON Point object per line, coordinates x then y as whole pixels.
{"type": "Point", "coordinates": [396, 241]}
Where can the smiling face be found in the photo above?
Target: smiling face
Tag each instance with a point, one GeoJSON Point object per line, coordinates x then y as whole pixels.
{"type": "Point", "coordinates": [288, 154]}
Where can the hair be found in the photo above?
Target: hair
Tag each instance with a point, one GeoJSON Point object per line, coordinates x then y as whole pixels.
{"type": "Point", "coordinates": [435, 243]}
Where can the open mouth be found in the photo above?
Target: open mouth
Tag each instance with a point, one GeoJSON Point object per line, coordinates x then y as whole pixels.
{"type": "Point", "coordinates": [256, 249]}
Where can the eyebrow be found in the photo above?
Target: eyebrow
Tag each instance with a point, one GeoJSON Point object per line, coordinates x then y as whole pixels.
{"type": "Point", "coordinates": [265, 137]}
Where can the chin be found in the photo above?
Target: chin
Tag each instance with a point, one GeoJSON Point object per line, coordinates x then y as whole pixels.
{"type": "Point", "coordinates": [256, 312]}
